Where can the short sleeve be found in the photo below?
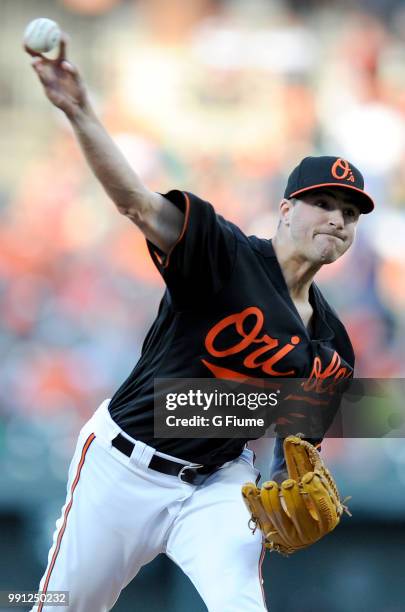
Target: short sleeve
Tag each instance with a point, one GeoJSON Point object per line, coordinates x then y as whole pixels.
{"type": "Point", "coordinates": [202, 259]}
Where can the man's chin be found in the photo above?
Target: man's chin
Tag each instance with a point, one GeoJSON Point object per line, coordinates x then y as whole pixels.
{"type": "Point", "coordinates": [326, 256]}
{"type": "Point", "coordinates": [326, 251]}
{"type": "Point", "coordinates": [328, 259]}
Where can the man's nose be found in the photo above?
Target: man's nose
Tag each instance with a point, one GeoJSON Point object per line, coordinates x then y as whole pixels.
{"type": "Point", "coordinates": [336, 218]}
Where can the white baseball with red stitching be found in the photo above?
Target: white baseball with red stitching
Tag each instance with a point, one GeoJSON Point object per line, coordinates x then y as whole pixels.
{"type": "Point", "coordinates": [42, 35]}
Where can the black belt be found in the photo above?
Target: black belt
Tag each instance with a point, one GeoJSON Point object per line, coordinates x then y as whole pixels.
{"type": "Point", "coordinates": [187, 473]}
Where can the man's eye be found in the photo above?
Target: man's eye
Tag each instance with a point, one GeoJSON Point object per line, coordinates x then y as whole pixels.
{"type": "Point", "coordinates": [349, 212]}
{"type": "Point", "coordinates": [321, 204]}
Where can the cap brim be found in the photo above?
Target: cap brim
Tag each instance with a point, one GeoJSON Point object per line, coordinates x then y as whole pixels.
{"type": "Point", "coordinates": [360, 199]}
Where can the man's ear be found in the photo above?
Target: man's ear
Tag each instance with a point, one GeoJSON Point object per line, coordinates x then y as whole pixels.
{"type": "Point", "coordinates": [285, 208]}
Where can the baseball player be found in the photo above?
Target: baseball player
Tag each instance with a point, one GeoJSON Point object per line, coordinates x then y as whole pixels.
{"type": "Point", "coordinates": [234, 306]}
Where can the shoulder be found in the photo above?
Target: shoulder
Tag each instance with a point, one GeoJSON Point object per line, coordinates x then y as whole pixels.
{"type": "Point", "coordinates": [260, 246]}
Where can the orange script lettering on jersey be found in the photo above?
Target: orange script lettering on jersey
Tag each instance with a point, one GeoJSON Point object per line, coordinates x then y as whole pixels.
{"type": "Point", "coordinates": [249, 339]}
{"type": "Point", "coordinates": [333, 373]}
{"type": "Point", "coordinates": [259, 358]}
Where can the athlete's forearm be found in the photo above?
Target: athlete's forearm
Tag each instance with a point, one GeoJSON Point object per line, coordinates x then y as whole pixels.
{"type": "Point", "coordinates": [160, 221]}
{"type": "Point", "coordinates": [109, 165]}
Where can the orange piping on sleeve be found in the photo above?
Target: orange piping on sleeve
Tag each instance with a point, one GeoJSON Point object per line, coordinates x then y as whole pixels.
{"type": "Point", "coordinates": [183, 231]}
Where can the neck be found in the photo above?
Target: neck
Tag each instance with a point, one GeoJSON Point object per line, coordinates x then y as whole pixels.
{"type": "Point", "coordinates": [298, 272]}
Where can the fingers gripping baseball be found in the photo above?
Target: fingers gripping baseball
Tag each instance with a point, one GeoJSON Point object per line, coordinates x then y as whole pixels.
{"type": "Point", "coordinates": [60, 79]}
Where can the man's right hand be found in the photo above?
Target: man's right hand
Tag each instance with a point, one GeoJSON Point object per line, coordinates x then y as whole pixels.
{"type": "Point", "coordinates": [61, 81]}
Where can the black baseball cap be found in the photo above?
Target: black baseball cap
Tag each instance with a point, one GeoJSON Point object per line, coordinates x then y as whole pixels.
{"type": "Point", "coordinates": [314, 173]}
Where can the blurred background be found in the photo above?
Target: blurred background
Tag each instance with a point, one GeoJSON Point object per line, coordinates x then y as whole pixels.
{"type": "Point", "coordinates": [223, 98]}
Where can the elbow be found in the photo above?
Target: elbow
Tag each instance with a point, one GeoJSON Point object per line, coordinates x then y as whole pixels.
{"type": "Point", "coordinates": [133, 214]}
{"type": "Point", "coordinates": [143, 210]}
{"type": "Point", "coordinates": [135, 209]}
{"type": "Point", "coordinates": [138, 213]}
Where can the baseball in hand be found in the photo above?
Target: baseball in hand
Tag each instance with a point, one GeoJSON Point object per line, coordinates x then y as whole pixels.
{"type": "Point", "coordinates": [42, 35]}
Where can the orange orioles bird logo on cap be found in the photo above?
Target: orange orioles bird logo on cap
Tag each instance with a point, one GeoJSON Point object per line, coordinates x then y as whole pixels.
{"type": "Point", "coordinates": [341, 170]}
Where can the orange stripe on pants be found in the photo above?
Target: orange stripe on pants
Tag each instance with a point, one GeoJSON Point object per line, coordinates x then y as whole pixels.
{"type": "Point", "coordinates": [68, 507]}
{"type": "Point", "coordinates": [262, 554]}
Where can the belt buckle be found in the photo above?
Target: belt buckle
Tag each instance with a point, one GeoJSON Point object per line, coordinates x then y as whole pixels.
{"type": "Point", "coordinates": [188, 467]}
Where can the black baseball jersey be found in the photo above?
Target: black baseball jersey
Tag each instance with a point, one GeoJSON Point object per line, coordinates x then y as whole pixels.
{"type": "Point", "coordinates": [226, 313]}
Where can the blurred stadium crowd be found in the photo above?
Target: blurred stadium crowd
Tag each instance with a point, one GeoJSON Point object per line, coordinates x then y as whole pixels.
{"type": "Point", "coordinates": [222, 98]}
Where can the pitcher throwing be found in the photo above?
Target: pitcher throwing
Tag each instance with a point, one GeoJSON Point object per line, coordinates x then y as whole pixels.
{"type": "Point", "coordinates": [131, 495]}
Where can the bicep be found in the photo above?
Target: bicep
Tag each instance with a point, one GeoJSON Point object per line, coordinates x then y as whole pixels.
{"type": "Point", "coordinates": [160, 221]}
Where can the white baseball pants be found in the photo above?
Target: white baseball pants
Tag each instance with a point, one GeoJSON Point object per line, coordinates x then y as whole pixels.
{"type": "Point", "coordinates": [119, 515]}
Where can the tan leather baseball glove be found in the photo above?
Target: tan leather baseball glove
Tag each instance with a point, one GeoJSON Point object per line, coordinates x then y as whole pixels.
{"type": "Point", "coordinates": [301, 510]}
